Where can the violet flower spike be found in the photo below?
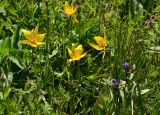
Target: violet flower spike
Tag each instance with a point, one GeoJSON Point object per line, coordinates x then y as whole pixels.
{"type": "Point", "coordinates": [125, 65]}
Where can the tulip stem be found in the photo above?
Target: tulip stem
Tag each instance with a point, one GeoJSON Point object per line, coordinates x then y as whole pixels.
{"type": "Point", "coordinates": [97, 55]}
{"type": "Point", "coordinates": [47, 62]}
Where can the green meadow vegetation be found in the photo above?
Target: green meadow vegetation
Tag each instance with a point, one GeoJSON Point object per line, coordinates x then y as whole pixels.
{"type": "Point", "coordinates": [79, 57]}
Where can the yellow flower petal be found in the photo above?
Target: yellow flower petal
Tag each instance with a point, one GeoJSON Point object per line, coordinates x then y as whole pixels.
{"type": "Point", "coordinates": [26, 33]}
{"type": "Point", "coordinates": [28, 42]}
{"type": "Point", "coordinates": [33, 45]}
{"type": "Point", "coordinates": [39, 43]}
{"type": "Point", "coordinates": [66, 5]}
{"type": "Point", "coordinates": [100, 41]}
{"type": "Point", "coordinates": [69, 10]}
{"type": "Point", "coordinates": [75, 58]}
{"type": "Point", "coordinates": [25, 42]}
{"type": "Point", "coordinates": [36, 29]}
{"type": "Point", "coordinates": [97, 47]}
{"type": "Point", "coordinates": [70, 53]}
{"type": "Point", "coordinates": [70, 60]}
{"type": "Point", "coordinates": [78, 50]}
{"type": "Point", "coordinates": [33, 38]}
{"type": "Point", "coordinates": [79, 47]}
{"type": "Point", "coordinates": [83, 55]}
{"type": "Point", "coordinates": [39, 37]}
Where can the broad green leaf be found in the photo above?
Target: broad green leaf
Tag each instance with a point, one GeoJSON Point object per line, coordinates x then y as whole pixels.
{"type": "Point", "coordinates": [14, 60]}
{"type": "Point", "coordinates": [7, 92]}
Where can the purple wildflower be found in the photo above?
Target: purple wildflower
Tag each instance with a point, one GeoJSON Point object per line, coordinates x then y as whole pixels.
{"type": "Point", "coordinates": [125, 65]}
{"type": "Point", "coordinates": [115, 82]}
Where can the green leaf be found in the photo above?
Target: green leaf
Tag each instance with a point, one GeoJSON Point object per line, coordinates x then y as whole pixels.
{"type": "Point", "coordinates": [91, 77]}
{"type": "Point", "coordinates": [145, 91]}
{"type": "Point", "coordinates": [7, 92]}
{"type": "Point", "coordinates": [13, 11]}
{"type": "Point", "coordinates": [157, 9]}
{"type": "Point", "coordinates": [155, 48]}
{"type": "Point", "coordinates": [10, 76]}
{"type": "Point", "coordinates": [14, 60]}
{"type": "Point", "coordinates": [1, 95]}
{"type": "Point", "coordinates": [2, 10]}
{"type": "Point", "coordinates": [122, 95]}
{"type": "Point", "coordinates": [121, 2]}
{"type": "Point", "coordinates": [53, 53]}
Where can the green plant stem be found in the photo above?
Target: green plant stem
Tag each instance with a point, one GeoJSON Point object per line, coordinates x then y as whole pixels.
{"type": "Point", "coordinates": [47, 40]}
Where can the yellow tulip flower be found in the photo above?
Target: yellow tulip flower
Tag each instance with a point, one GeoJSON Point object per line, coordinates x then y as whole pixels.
{"type": "Point", "coordinates": [101, 43]}
{"type": "Point", "coordinates": [32, 37]}
{"type": "Point", "coordinates": [76, 53]}
{"type": "Point", "coordinates": [70, 11]}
